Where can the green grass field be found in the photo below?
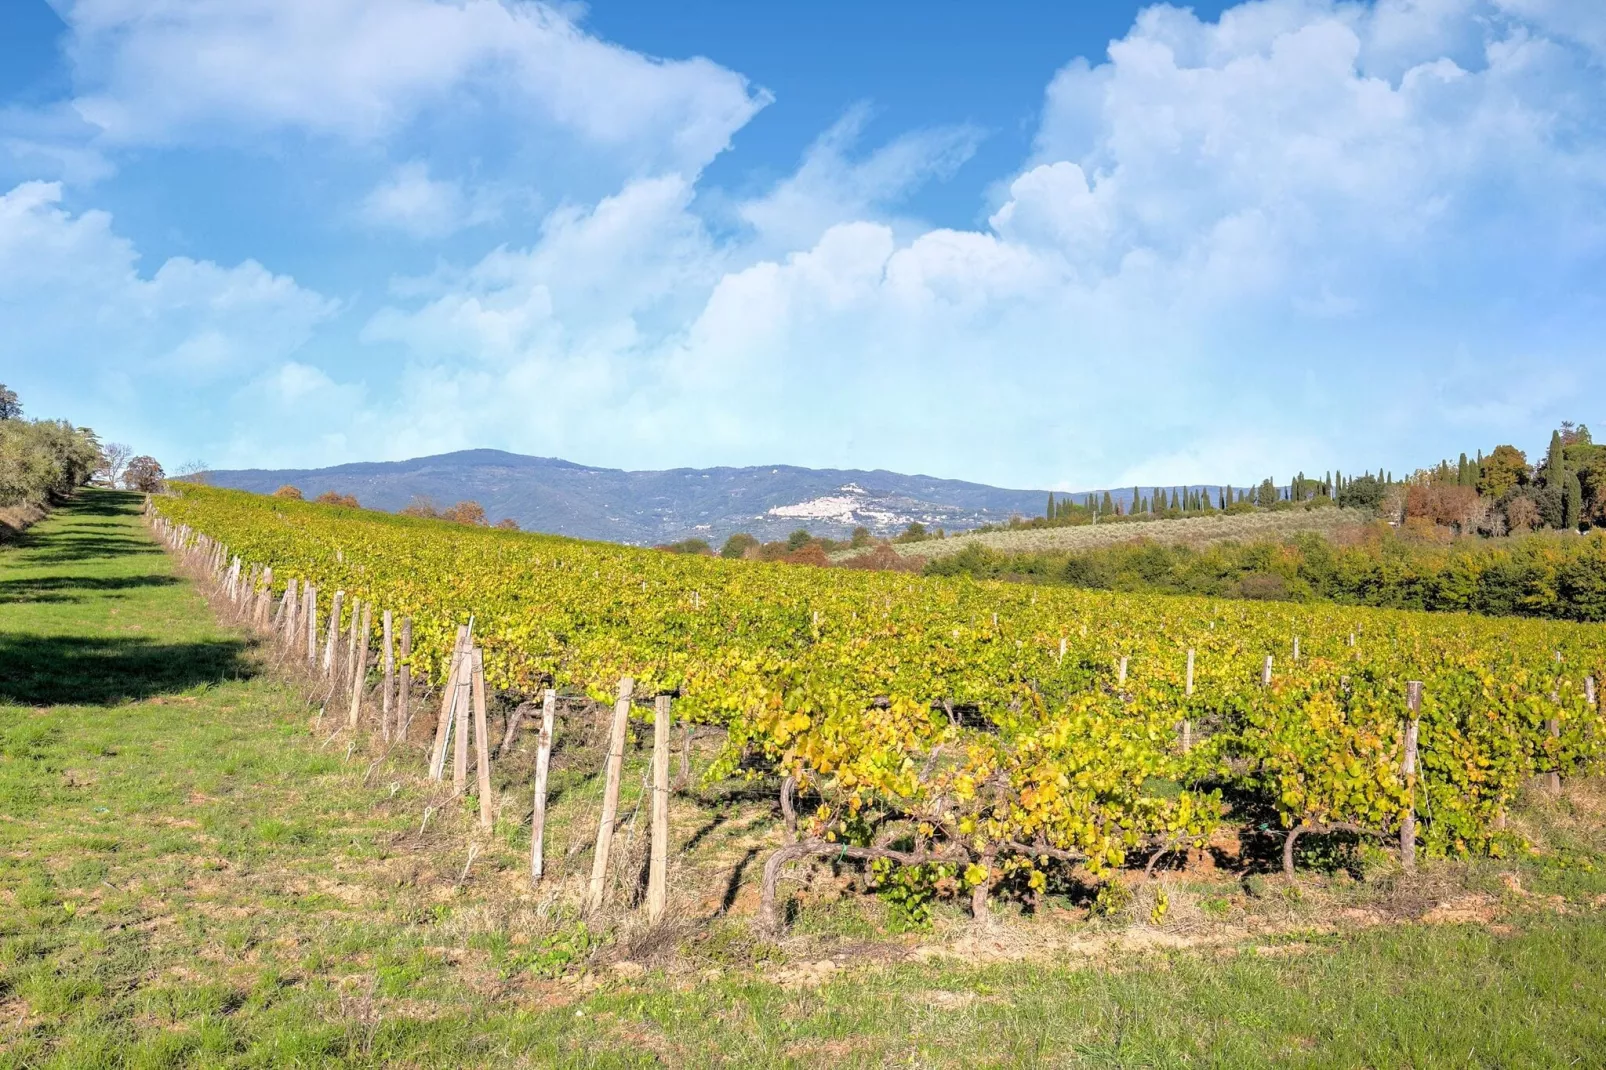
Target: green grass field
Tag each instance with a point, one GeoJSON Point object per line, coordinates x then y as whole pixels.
{"type": "Point", "coordinates": [190, 875]}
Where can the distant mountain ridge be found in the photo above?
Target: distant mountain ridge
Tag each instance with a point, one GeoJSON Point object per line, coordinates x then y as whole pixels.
{"type": "Point", "coordinates": [650, 507]}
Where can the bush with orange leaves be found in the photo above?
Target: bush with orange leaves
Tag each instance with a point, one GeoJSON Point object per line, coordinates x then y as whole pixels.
{"type": "Point", "coordinates": [885, 559]}
{"type": "Point", "coordinates": [1445, 504]}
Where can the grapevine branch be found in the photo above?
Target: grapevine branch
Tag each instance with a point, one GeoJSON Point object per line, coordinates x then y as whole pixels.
{"type": "Point", "coordinates": [817, 848]}
{"type": "Point", "coordinates": [1303, 827]}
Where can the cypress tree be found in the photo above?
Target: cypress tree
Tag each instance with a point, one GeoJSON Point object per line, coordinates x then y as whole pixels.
{"type": "Point", "coordinates": [1555, 463]}
{"type": "Point", "coordinates": [1049, 513]}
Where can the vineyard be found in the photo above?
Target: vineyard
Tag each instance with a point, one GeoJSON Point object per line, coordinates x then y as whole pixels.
{"type": "Point", "coordinates": [974, 738]}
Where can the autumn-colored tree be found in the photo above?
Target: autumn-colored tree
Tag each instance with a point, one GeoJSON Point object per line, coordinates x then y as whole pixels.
{"type": "Point", "coordinates": [330, 497]}
{"type": "Point", "coordinates": [811, 554]}
{"type": "Point", "coordinates": [1445, 504]}
{"type": "Point", "coordinates": [883, 558]}
{"type": "Point", "coordinates": [421, 507]}
{"type": "Point", "coordinates": [507, 523]}
{"type": "Point", "coordinates": [1522, 514]}
{"type": "Point", "coordinates": [470, 513]}
{"type": "Point", "coordinates": [144, 474]}
{"type": "Point", "coordinates": [287, 491]}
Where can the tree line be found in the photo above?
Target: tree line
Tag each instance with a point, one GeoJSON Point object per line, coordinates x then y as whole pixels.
{"type": "Point", "coordinates": [470, 513]}
{"type": "Point", "coordinates": [44, 461]}
{"type": "Point", "coordinates": [1536, 575]}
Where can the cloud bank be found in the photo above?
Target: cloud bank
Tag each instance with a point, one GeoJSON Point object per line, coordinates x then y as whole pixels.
{"type": "Point", "coordinates": [1301, 232]}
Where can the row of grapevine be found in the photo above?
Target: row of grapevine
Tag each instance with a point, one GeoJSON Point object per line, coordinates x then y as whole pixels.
{"type": "Point", "coordinates": [982, 731]}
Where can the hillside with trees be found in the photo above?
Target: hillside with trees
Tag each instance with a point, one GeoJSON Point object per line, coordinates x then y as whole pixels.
{"type": "Point", "coordinates": [41, 461]}
{"type": "Point", "coordinates": [1489, 534]}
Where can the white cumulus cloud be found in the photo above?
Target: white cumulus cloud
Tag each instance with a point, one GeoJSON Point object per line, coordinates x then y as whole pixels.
{"type": "Point", "coordinates": [89, 334]}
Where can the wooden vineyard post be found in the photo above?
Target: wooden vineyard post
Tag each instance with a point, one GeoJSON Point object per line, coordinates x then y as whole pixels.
{"type": "Point", "coordinates": [404, 693]}
{"type": "Point", "coordinates": [1296, 650]}
{"type": "Point", "coordinates": [1265, 673]}
{"type": "Point", "coordinates": [359, 670]}
{"type": "Point", "coordinates": [334, 635]}
{"type": "Point", "coordinates": [1062, 651]}
{"type": "Point", "coordinates": [265, 600]}
{"type": "Point", "coordinates": [543, 762]}
{"type": "Point", "coordinates": [312, 626]}
{"type": "Point", "coordinates": [443, 727]}
{"type": "Point", "coordinates": [1120, 672]}
{"type": "Point", "coordinates": [1589, 691]}
{"type": "Point", "coordinates": [292, 602]}
{"type": "Point", "coordinates": [1553, 778]}
{"type": "Point", "coordinates": [351, 641]}
{"type": "Point", "coordinates": [1413, 702]}
{"type": "Point", "coordinates": [1187, 722]}
{"type": "Point", "coordinates": [610, 795]}
{"type": "Point", "coordinates": [464, 714]}
{"type": "Point", "coordinates": [389, 684]}
{"type": "Point", "coordinates": [658, 866]}
{"type": "Point", "coordinates": [482, 746]}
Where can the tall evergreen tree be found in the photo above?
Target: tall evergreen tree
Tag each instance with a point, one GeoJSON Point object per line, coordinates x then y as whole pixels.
{"type": "Point", "coordinates": [1555, 463]}
{"type": "Point", "coordinates": [1049, 514]}
{"type": "Point", "coordinates": [1572, 502]}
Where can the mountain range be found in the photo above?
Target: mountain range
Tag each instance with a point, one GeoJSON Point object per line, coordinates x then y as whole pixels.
{"type": "Point", "coordinates": [647, 508]}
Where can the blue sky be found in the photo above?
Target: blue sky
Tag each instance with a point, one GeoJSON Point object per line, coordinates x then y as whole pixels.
{"type": "Point", "coordinates": [1061, 245]}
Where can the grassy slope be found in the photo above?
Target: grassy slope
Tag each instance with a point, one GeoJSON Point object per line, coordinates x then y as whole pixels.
{"type": "Point", "coordinates": [188, 877]}
{"type": "Point", "coordinates": [1196, 530]}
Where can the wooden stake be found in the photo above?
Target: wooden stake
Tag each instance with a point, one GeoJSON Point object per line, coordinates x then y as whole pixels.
{"type": "Point", "coordinates": [312, 626]}
{"type": "Point", "coordinates": [610, 795]}
{"type": "Point", "coordinates": [543, 762]}
{"type": "Point", "coordinates": [390, 679]}
{"type": "Point", "coordinates": [482, 746]}
{"type": "Point", "coordinates": [1120, 675]}
{"type": "Point", "coordinates": [1265, 673]}
{"type": "Point", "coordinates": [359, 675]}
{"type": "Point", "coordinates": [1553, 778]}
{"type": "Point", "coordinates": [443, 726]}
{"type": "Point", "coordinates": [1413, 702]}
{"type": "Point", "coordinates": [464, 713]}
{"type": "Point", "coordinates": [1187, 723]}
{"type": "Point", "coordinates": [1296, 649]}
{"type": "Point", "coordinates": [288, 613]}
{"type": "Point", "coordinates": [334, 635]}
{"type": "Point", "coordinates": [658, 865]}
{"type": "Point", "coordinates": [404, 697]}
{"type": "Point", "coordinates": [1589, 690]}
{"type": "Point", "coordinates": [351, 641]}
{"type": "Point", "coordinates": [263, 607]}
{"type": "Point", "coordinates": [1062, 650]}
